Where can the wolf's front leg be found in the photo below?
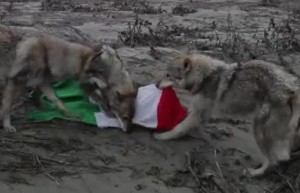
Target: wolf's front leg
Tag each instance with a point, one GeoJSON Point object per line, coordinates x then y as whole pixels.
{"type": "Point", "coordinates": [50, 94]}
{"type": "Point", "coordinates": [190, 122]}
{"type": "Point", "coordinates": [199, 112]}
{"type": "Point", "coordinates": [11, 92]}
{"type": "Point", "coordinates": [256, 172]}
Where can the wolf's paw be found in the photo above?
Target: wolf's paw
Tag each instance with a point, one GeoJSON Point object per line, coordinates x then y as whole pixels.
{"type": "Point", "coordinates": [71, 115]}
{"type": "Point", "coordinates": [164, 84]}
{"type": "Point", "coordinates": [254, 172]}
{"type": "Point", "coordinates": [10, 129]}
{"type": "Point", "coordinates": [161, 136]}
{"type": "Point", "coordinates": [293, 123]}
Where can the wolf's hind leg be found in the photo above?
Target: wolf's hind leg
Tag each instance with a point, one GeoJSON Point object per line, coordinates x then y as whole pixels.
{"type": "Point", "coordinates": [278, 152]}
{"type": "Point", "coordinates": [261, 127]}
{"type": "Point", "coordinates": [273, 136]}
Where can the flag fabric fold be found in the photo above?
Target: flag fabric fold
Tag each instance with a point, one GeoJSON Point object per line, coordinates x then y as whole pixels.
{"type": "Point", "coordinates": [155, 108]}
{"type": "Point", "coordinates": [158, 109]}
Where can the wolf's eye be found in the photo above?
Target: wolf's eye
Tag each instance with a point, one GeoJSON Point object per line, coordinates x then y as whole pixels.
{"type": "Point", "coordinates": [94, 85]}
{"type": "Point", "coordinates": [125, 118]}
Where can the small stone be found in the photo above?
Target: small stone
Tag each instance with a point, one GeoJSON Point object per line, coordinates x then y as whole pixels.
{"type": "Point", "coordinates": [124, 151]}
{"type": "Point", "coordinates": [140, 187]}
{"type": "Point", "coordinates": [247, 157]}
{"type": "Point", "coordinates": [237, 162]}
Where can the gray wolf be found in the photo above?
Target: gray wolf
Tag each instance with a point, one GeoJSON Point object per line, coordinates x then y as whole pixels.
{"type": "Point", "coordinates": [112, 88]}
{"type": "Point", "coordinates": [38, 62]}
{"type": "Point", "coordinates": [257, 88]}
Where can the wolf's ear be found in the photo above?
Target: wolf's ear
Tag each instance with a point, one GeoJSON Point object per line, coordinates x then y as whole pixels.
{"type": "Point", "coordinates": [96, 54]}
{"type": "Point", "coordinates": [97, 51]}
{"type": "Point", "coordinates": [187, 65]}
{"type": "Point", "coordinates": [186, 50]}
{"type": "Point", "coordinates": [136, 86]}
{"type": "Point", "coordinates": [118, 94]}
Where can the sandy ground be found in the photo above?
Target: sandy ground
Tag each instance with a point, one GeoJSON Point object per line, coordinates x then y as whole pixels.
{"type": "Point", "coordinates": [70, 157]}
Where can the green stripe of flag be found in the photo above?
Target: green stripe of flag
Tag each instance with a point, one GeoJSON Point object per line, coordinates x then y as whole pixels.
{"type": "Point", "coordinates": [74, 99]}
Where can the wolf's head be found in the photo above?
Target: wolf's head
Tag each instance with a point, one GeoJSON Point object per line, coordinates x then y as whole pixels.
{"type": "Point", "coordinates": [188, 70]}
{"type": "Point", "coordinates": [116, 100]}
{"type": "Point", "coordinates": [122, 105]}
{"type": "Point", "coordinates": [110, 56]}
{"type": "Point", "coordinates": [121, 96]}
{"type": "Point", "coordinates": [116, 92]}
{"type": "Point", "coordinates": [105, 62]}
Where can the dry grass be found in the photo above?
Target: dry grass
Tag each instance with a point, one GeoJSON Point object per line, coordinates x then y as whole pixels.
{"type": "Point", "coordinates": [182, 10]}
{"type": "Point", "coordinates": [278, 38]}
{"type": "Point", "coordinates": [144, 7]}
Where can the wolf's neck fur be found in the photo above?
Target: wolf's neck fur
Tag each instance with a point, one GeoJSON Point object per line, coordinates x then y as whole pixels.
{"type": "Point", "coordinates": [203, 68]}
{"type": "Point", "coordinates": [117, 76]}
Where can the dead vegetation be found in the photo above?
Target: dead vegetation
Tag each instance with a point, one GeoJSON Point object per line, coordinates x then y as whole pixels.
{"type": "Point", "coordinates": [10, 6]}
{"type": "Point", "coordinates": [279, 38]}
{"type": "Point", "coordinates": [182, 10]}
{"type": "Point", "coordinates": [144, 7]}
{"type": "Point", "coordinates": [135, 34]}
{"type": "Point", "coordinates": [124, 5]}
{"type": "Point", "coordinates": [274, 3]}
{"type": "Point", "coordinates": [213, 176]}
{"type": "Point", "coordinates": [50, 156]}
{"type": "Point", "coordinates": [69, 5]}
{"type": "Point", "coordinates": [138, 6]}
{"type": "Point", "coordinates": [56, 5]}
{"type": "Point", "coordinates": [142, 32]}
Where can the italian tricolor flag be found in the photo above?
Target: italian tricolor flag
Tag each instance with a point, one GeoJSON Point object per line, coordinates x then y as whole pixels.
{"type": "Point", "coordinates": [155, 108]}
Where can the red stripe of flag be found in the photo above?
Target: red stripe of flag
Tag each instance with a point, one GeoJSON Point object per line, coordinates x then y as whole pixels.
{"type": "Point", "coordinates": [169, 111]}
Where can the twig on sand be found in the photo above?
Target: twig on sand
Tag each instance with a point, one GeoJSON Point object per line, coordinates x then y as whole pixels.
{"type": "Point", "coordinates": [218, 166]}
{"type": "Point", "coordinates": [88, 188]}
{"type": "Point", "coordinates": [288, 182]}
{"type": "Point", "coordinates": [194, 174]}
{"type": "Point", "coordinates": [189, 162]}
{"type": "Point", "coordinates": [198, 179]}
{"type": "Point", "coordinates": [45, 170]}
{"type": "Point", "coordinates": [56, 161]}
{"type": "Point", "coordinates": [218, 186]}
{"type": "Point", "coordinates": [291, 187]}
{"type": "Point", "coordinates": [295, 155]}
{"type": "Point", "coordinates": [32, 142]}
{"type": "Point", "coordinates": [220, 173]}
{"type": "Point", "coordinates": [297, 182]}
{"type": "Point", "coordinates": [20, 153]}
